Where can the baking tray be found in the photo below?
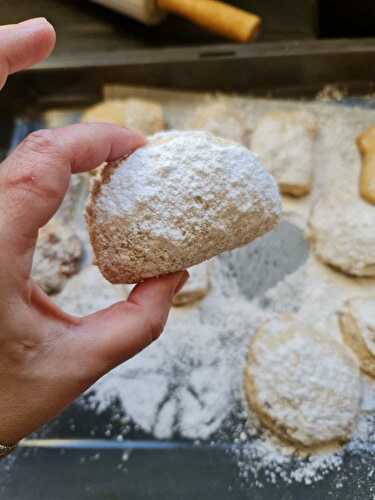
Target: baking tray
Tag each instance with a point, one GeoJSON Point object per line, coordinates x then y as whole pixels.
{"type": "Point", "coordinates": [78, 456]}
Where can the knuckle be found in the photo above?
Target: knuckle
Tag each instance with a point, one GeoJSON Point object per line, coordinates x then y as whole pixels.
{"type": "Point", "coordinates": [154, 326]}
{"type": "Point", "coordinates": [32, 183]}
{"type": "Point", "coordinates": [37, 168]}
{"type": "Point", "coordinates": [41, 141]}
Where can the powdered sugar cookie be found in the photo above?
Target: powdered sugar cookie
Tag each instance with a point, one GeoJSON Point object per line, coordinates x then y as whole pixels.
{"type": "Point", "coordinates": [284, 142]}
{"type": "Point", "coordinates": [197, 286]}
{"type": "Point", "coordinates": [357, 323]}
{"type": "Point", "coordinates": [136, 114]}
{"type": "Point", "coordinates": [221, 119]}
{"type": "Point", "coordinates": [56, 257]}
{"type": "Point", "coordinates": [341, 228]}
{"type": "Point", "coordinates": [176, 202]}
{"type": "Point", "coordinates": [303, 385]}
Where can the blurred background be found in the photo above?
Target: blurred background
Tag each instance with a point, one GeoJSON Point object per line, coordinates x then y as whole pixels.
{"type": "Point", "coordinates": [303, 46]}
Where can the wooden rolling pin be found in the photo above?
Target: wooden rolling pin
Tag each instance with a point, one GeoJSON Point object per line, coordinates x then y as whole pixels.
{"type": "Point", "coordinates": [213, 15]}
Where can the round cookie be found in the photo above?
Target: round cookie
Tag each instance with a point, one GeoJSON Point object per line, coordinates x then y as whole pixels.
{"type": "Point", "coordinates": [341, 228]}
{"type": "Point", "coordinates": [136, 114]}
{"type": "Point", "coordinates": [304, 386]}
{"type": "Point", "coordinates": [176, 202]}
{"type": "Point", "coordinates": [219, 118]}
{"type": "Point", "coordinates": [357, 324]}
{"type": "Point", "coordinates": [57, 256]}
{"type": "Point", "coordinates": [197, 286]}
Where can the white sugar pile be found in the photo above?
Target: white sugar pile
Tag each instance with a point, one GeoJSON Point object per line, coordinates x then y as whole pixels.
{"type": "Point", "coordinates": [189, 383]}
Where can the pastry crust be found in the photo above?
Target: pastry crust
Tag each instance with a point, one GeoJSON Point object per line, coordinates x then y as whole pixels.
{"type": "Point", "coordinates": [57, 256]}
{"type": "Point", "coordinates": [366, 146]}
{"type": "Point", "coordinates": [303, 386]}
{"type": "Point", "coordinates": [284, 142]}
{"type": "Point", "coordinates": [221, 119]}
{"type": "Point", "coordinates": [197, 286]}
{"type": "Point", "coordinates": [357, 324]}
{"type": "Point", "coordinates": [135, 114]}
{"type": "Point", "coordinates": [341, 229]}
{"type": "Point", "coordinates": [176, 202]}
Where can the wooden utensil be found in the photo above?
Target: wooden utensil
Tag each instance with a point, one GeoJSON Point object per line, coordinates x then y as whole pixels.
{"type": "Point", "coordinates": [213, 15]}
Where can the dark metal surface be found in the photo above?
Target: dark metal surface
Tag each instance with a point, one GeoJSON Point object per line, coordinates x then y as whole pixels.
{"type": "Point", "coordinates": [285, 69]}
{"type": "Point", "coordinates": [179, 473]}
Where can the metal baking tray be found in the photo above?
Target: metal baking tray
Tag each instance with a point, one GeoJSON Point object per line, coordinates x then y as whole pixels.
{"type": "Point", "coordinates": [77, 456]}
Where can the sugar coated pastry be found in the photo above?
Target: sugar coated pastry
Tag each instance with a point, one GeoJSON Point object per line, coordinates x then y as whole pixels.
{"type": "Point", "coordinates": [197, 286]}
{"type": "Point", "coordinates": [357, 323]}
{"type": "Point", "coordinates": [220, 118]}
{"type": "Point", "coordinates": [176, 202]}
{"type": "Point", "coordinates": [366, 146]}
{"type": "Point", "coordinates": [57, 256]}
{"type": "Point", "coordinates": [303, 385]}
{"type": "Point", "coordinates": [284, 142]}
{"type": "Point", "coordinates": [341, 228]}
{"type": "Point", "coordinates": [136, 114]}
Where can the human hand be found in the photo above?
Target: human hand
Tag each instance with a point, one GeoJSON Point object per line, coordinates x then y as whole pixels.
{"type": "Point", "coordinates": [48, 358]}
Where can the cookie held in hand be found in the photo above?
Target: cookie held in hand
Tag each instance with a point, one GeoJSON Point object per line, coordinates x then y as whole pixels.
{"type": "Point", "coordinates": [181, 199]}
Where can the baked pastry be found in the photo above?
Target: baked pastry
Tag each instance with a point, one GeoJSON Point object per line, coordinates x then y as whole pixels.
{"type": "Point", "coordinates": [303, 385]}
{"type": "Point", "coordinates": [357, 324]}
{"type": "Point", "coordinates": [57, 256]}
{"type": "Point", "coordinates": [284, 142]}
{"type": "Point", "coordinates": [176, 202]}
{"type": "Point", "coordinates": [341, 228]}
{"type": "Point", "coordinates": [197, 286]}
{"type": "Point", "coordinates": [220, 118]}
{"type": "Point", "coordinates": [136, 114]}
{"type": "Point", "coordinates": [366, 146]}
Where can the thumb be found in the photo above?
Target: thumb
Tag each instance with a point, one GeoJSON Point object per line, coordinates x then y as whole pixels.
{"type": "Point", "coordinates": [35, 177]}
{"type": "Point", "coordinates": [119, 332]}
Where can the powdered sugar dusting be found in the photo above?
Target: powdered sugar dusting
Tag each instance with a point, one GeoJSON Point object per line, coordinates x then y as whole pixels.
{"type": "Point", "coordinates": [182, 367]}
{"type": "Point", "coordinates": [189, 167]}
{"type": "Point", "coordinates": [178, 201]}
{"type": "Point", "coordinates": [307, 383]}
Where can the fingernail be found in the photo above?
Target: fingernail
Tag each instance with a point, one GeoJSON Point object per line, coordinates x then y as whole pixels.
{"type": "Point", "coordinates": [36, 21]}
{"type": "Point", "coordinates": [185, 276]}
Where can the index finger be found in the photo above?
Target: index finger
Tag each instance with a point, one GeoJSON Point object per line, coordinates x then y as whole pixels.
{"type": "Point", "coordinates": [24, 44]}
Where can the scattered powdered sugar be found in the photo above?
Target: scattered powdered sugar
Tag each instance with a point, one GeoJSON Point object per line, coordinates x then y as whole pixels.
{"type": "Point", "coordinates": [190, 382]}
{"type": "Point", "coordinates": [89, 292]}
{"type": "Point", "coordinates": [171, 388]}
{"type": "Point", "coordinates": [193, 167]}
{"type": "Point", "coordinates": [276, 461]}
